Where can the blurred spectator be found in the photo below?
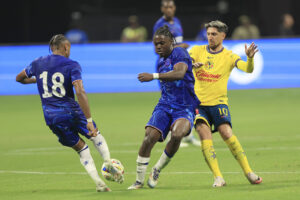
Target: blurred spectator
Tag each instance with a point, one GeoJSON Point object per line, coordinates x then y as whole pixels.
{"type": "Point", "coordinates": [202, 36]}
{"type": "Point", "coordinates": [286, 26]}
{"type": "Point", "coordinates": [134, 32]}
{"type": "Point", "coordinates": [246, 30]}
{"type": "Point", "coordinates": [75, 34]}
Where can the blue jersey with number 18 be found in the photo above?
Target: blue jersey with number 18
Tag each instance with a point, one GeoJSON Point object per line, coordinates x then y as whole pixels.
{"type": "Point", "coordinates": [55, 75]}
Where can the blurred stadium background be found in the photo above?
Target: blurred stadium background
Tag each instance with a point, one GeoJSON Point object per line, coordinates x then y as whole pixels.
{"type": "Point", "coordinates": [264, 105]}
{"type": "Point", "coordinates": [103, 20]}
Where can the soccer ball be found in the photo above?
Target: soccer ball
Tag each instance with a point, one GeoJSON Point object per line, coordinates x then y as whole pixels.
{"type": "Point", "coordinates": [105, 169]}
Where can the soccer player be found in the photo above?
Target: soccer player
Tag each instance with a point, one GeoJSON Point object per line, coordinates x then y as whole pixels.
{"type": "Point", "coordinates": [168, 8]}
{"type": "Point", "coordinates": [55, 76]}
{"type": "Point", "coordinates": [175, 109]}
{"type": "Point", "coordinates": [212, 66]}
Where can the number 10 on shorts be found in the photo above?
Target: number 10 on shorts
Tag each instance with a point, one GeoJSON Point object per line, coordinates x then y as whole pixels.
{"type": "Point", "coordinates": [223, 111]}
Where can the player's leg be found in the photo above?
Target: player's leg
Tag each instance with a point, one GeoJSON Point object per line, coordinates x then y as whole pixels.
{"type": "Point", "coordinates": [69, 137]}
{"type": "Point", "coordinates": [203, 123]}
{"type": "Point", "coordinates": [208, 151]}
{"type": "Point", "coordinates": [88, 163]}
{"type": "Point", "coordinates": [98, 141]}
{"type": "Point", "coordinates": [152, 135]}
{"type": "Point", "coordinates": [157, 129]}
{"type": "Point", "coordinates": [180, 128]}
{"type": "Point", "coordinates": [238, 152]}
{"type": "Point", "coordinates": [101, 146]}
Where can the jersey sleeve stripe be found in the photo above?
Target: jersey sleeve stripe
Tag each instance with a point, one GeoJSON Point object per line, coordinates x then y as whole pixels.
{"type": "Point", "coordinates": [235, 64]}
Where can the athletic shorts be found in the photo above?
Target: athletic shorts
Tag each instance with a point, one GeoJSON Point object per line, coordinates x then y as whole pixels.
{"type": "Point", "coordinates": [163, 119]}
{"type": "Point", "coordinates": [214, 116]}
{"type": "Point", "coordinates": [66, 123]}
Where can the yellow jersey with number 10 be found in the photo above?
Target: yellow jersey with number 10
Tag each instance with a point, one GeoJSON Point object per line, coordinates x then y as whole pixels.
{"type": "Point", "coordinates": [211, 79]}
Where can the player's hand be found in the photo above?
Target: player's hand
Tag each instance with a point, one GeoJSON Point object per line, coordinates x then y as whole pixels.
{"type": "Point", "coordinates": [251, 50]}
{"type": "Point", "coordinates": [145, 77]}
{"type": "Point", "coordinates": [197, 65]}
{"type": "Point", "coordinates": [92, 130]}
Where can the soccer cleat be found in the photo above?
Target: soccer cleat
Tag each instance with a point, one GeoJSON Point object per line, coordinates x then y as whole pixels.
{"type": "Point", "coordinates": [253, 178]}
{"type": "Point", "coordinates": [219, 182]}
{"type": "Point", "coordinates": [135, 186]}
{"type": "Point", "coordinates": [195, 142]}
{"type": "Point", "coordinates": [153, 178]}
{"type": "Point", "coordinates": [102, 188]}
{"type": "Point", "coordinates": [183, 144]}
{"type": "Point", "coordinates": [190, 139]}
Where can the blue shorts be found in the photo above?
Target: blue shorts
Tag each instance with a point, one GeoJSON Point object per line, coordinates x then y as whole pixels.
{"type": "Point", "coordinates": [66, 123]}
{"type": "Point", "coordinates": [163, 118]}
{"type": "Point", "coordinates": [213, 115]}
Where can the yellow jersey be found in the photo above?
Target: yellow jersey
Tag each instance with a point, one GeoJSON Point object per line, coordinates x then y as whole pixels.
{"type": "Point", "coordinates": [211, 79]}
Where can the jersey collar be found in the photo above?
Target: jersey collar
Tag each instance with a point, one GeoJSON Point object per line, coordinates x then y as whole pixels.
{"type": "Point", "coordinates": [209, 51]}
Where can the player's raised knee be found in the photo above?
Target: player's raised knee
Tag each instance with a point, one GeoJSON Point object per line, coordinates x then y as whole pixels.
{"type": "Point", "coordinates": [152, 135]}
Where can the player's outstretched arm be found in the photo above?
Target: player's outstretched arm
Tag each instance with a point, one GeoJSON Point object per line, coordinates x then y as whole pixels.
{"type": "Point", "coordinates": [22, 78]}
{"type": "Point", "coordinates": [249, 65]}
{"type": "Point", "coordinates": [84, 105]}
{"type": "Point", "coordinates": [177, 73]}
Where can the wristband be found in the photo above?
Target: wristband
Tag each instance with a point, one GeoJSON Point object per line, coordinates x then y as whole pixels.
{"type": "Point", "coordinates": [155, 75]}
{"type": "Point", "coordinates": [89, 120]}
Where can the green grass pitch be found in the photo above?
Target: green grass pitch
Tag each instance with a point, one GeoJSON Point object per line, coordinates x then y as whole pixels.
{"type": "Point", "coordinates": [35, 166]}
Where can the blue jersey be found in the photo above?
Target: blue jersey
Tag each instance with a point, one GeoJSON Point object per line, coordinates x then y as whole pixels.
{"type": "Point", "coordinates": [180, 93]}
{"type": "Point", "coordinates": [55, 75]}
{"type": "Point", "coordinates": [175, 28]}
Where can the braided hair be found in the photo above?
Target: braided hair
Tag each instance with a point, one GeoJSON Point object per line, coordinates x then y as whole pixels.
{"type": "Point", "coordinates": [165, 30]}
{"type": "Point", "coordinates": [56, 41]}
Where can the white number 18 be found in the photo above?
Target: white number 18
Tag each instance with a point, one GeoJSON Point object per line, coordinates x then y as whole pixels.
{"type": "Point", "coordinates": [56, 84]}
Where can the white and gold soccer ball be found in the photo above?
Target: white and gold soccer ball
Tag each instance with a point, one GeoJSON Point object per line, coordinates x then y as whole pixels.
{"type": "Point", "coordinates": [108, 175]}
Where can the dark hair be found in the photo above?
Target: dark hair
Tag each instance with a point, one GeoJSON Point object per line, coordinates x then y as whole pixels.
{"type": "Point", "coordinates": [164, 30]}
{"type": "Point", "coordinates": [166, 1]}
{"type": "Point", "coordinates": [56, 41]}
{"type": "Point", "coordinates": [222, 27]}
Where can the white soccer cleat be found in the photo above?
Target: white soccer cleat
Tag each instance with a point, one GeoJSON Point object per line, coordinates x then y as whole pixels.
{"type": "Point", "coordinates": [219, 182]}
{"type": "Point", "coordinates": [153, 178]}
{"type": "Point", "coordinates": [190, 139]}
{"type": "Point", "coordinates": [196, 142]}
{"type": "Point", "coordinates": [137, 185]}
{"type": "Point", "coordinates": [253, 178]}
{"type": "Point", "coordinates": [102, 188]}
{"type": "Point", "coordinates": [184, 144]}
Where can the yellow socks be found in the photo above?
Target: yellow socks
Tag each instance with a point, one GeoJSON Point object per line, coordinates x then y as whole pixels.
{"type": "Point", "coordinates": [238, 152]}
{"type": "Point", "coordinates": [210, 157]}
